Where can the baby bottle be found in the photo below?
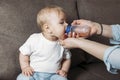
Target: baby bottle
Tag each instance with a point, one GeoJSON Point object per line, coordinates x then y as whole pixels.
{"type": "Point", "coordinates": [83, 31]}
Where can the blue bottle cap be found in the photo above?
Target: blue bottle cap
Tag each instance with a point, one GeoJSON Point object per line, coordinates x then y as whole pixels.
{"type": "Point", "coordinates": [68, 29]}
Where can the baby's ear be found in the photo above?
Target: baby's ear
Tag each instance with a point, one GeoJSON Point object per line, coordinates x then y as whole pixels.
{"type": "Point", "coordinates": [47, 28]}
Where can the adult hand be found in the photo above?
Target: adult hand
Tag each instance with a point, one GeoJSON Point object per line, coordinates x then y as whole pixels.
{"type": "Point", "coordinates": [93, 25]}
{"type": "Point", "coordinates": [70, 43]}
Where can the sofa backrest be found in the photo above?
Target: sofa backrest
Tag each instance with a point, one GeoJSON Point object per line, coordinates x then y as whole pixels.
{"type": "Point", "coordinates": [102, 11]}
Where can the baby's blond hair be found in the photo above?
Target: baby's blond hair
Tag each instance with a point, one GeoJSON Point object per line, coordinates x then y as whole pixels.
{"type": "Point", "coordinates": [43, 14]}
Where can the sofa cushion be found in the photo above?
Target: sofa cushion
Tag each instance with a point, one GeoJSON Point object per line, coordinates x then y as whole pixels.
{"type": "Point", "coordinates": [92, 71]}
{"type": "Point", "coordinates": [78, 57]}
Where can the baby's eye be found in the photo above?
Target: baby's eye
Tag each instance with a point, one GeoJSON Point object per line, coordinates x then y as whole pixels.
{"type": "Point", "coordinates": [61, 22]}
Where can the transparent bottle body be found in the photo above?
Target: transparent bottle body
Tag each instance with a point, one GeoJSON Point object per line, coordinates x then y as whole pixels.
{"type": "Point", "coordinates": [82, 31]}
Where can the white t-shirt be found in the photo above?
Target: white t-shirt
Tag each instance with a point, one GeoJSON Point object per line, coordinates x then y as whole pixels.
{"type": "Point", "coordinates": [45, 55]}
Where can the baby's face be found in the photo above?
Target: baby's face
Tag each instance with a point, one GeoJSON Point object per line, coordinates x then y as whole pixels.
{"type": "Point", "coordinates": [58, 24]}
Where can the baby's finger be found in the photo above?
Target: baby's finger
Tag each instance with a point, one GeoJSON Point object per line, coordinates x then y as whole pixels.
{"type": "Point", "coordinates": [31, 73]}
{"type": "Point", "coordinates": [25, 73]}
{"type": "Point", "coordinates": [63, 74]}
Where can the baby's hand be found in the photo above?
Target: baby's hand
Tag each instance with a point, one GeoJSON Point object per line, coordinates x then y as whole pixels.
{"type": "Point", "coordinates": [27, 71]}
{"type": "Point", "coordinates": [62, 73]}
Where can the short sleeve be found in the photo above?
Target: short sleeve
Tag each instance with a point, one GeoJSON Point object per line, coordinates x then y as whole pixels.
{"type": "Point", "coordinates": [66, 54]}
{"type": "Point", "coordinates": [25, 49]}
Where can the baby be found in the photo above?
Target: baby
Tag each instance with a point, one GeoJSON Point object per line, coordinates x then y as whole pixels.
{"type": "Point", "coordinates": [41, 56]}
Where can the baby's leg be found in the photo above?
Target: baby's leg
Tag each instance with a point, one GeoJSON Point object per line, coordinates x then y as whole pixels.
{"type": "Point", "coordinates": [23, 77]}
{"type": "Point", "coordinates": [42, 76]}
{"type": "Point", "coordinates": [58, 77]}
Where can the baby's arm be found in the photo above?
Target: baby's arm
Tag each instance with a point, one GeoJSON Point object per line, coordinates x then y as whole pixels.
{"type": "Point", "coordinates": [25, 65]}
{"type": "Point", "coordinates": [65, 67]}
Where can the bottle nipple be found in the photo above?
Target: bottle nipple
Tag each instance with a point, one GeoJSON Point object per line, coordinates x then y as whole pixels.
{"type": "Point", "coordinates": [68, 29]}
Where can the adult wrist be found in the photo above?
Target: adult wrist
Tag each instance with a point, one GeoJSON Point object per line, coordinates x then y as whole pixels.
{"type": "Point", "coordinates": [99, 29]}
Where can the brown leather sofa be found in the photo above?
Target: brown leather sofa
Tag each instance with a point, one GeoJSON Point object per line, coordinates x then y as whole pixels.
{"type": "Point", "coordinates": [18, 21]}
